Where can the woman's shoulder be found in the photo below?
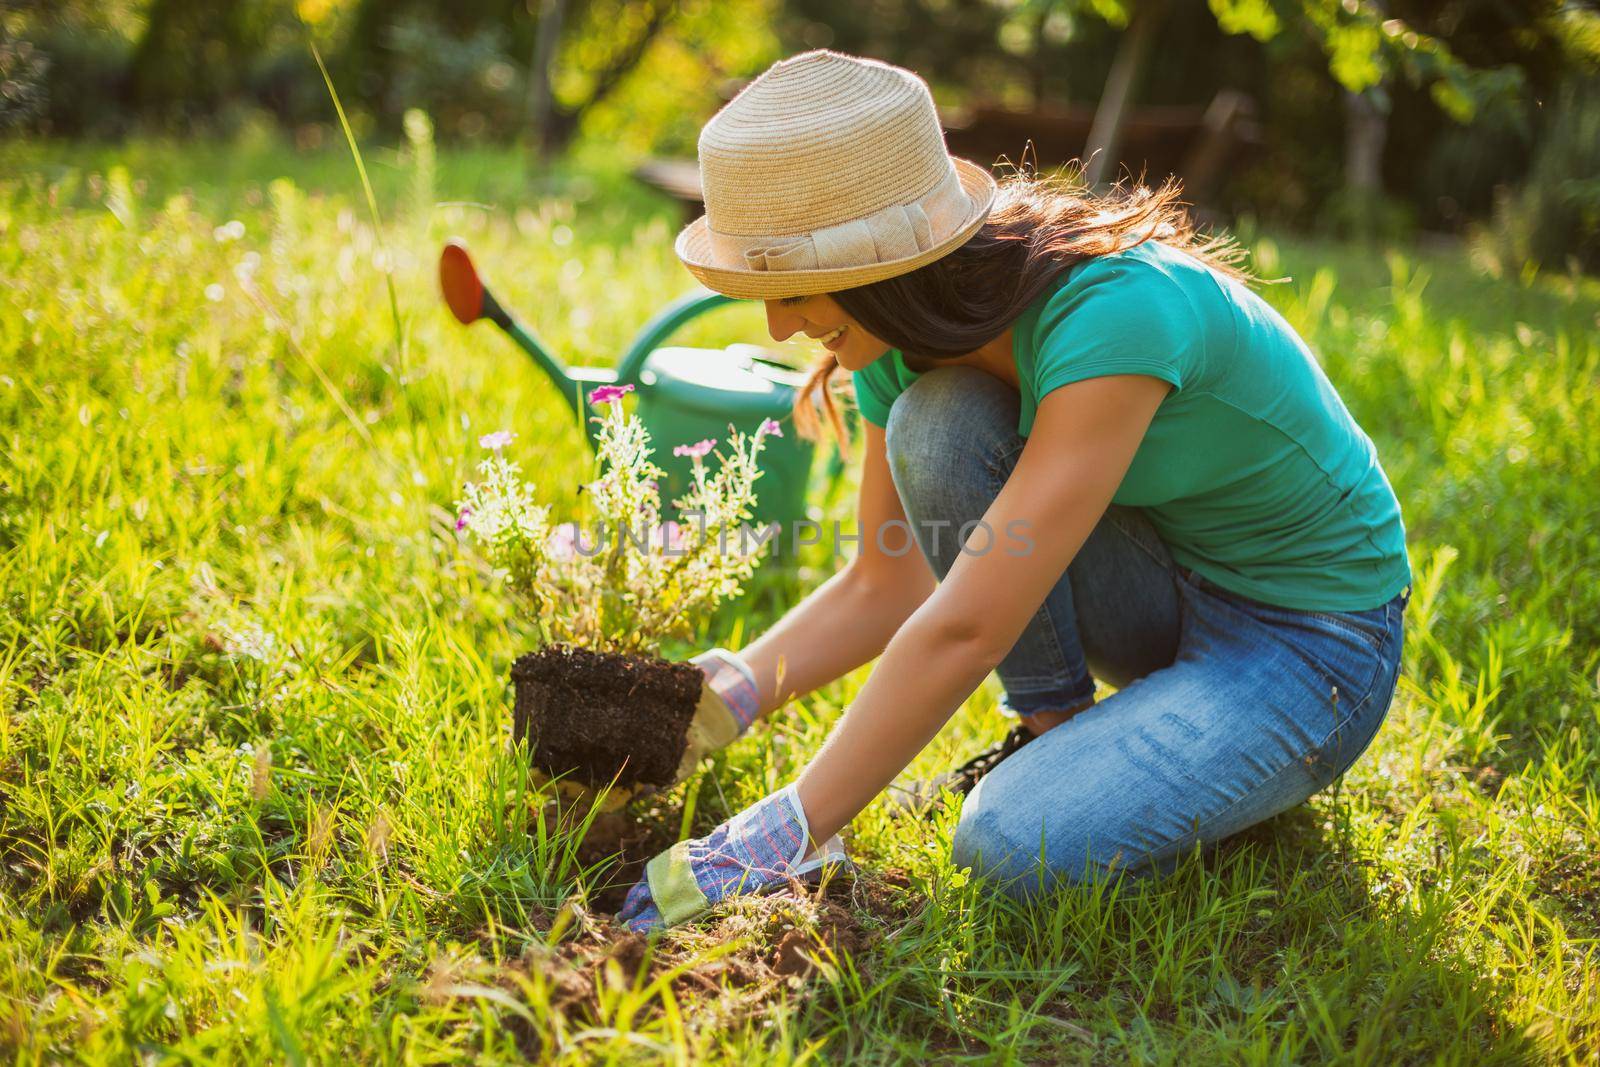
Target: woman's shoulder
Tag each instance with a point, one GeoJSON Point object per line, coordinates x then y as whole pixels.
{"type": "Point", "coordinates": [1146, 281]}
{"type": "Point", "coordinates": [1146, 308]}
{"type": "Point", "coordinates": [1148, 264]}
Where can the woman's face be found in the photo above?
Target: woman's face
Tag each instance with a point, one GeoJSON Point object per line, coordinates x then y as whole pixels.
{"type": "Point", "coordinates": [817, 317]}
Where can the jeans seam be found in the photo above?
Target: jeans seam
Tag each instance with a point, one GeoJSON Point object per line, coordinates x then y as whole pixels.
{"type": "Point", "coordinates": [1167, 564]}
{"type": "Point", "coordinates": [1052, 690]}
{"type": "Point", "coordinates": [1056, 703]}
{"type": "Point", "coordinates": [1058, 658]}
{"type": "Point", "coordinates": [1317, 751]}
{"type": "Point", "coordinates": [1320, 752]}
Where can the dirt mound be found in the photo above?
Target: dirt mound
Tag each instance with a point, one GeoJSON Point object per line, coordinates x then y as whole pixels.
{"type": "Point", "coordinates": [740, 955]}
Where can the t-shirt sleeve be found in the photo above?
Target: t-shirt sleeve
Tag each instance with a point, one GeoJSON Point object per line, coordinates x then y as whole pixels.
{"type": "Point", "coordinates": [875, 390]}
{"type": "Point", "coordinates": [1122, 317]}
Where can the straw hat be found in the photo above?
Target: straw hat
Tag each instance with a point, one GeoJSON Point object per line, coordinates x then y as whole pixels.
{"type": "Point", "coordinates": [827, 172]}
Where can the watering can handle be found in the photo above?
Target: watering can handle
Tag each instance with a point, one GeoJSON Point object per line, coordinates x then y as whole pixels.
{"type": "Point", "coordinates": [663, 325]}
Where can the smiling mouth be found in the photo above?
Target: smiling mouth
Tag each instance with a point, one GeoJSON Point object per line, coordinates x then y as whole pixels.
{"type": "Point", "coordinates": [828, 338]}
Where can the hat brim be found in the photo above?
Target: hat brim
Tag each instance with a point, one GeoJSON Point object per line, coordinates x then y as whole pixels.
{"type": "Point", "coordinates": [693, 247]}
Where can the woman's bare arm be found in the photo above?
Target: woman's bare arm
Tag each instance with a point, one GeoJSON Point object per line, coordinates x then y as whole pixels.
{"type": "Point", "coordinates": [848, 619]}
{"type": "Point", "coordinates": [1083, 440]}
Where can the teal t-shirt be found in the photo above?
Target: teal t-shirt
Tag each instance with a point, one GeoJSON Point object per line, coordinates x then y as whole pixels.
{"type": "Point", "coordinates": [1253, 471]}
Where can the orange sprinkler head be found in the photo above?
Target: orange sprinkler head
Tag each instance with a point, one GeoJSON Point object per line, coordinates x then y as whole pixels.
{"type": "Point", "coordinates": [458, 279]}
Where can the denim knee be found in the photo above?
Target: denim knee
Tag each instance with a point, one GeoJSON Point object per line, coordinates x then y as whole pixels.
{"type": "Point", "coordinates": [1003, 843]}
{"type": "Point", "coordinates": [992, 842]}
{"type": "Point", "coordinates": [981, 843]}
{"type": "Point", "coordinates": [945, 434]}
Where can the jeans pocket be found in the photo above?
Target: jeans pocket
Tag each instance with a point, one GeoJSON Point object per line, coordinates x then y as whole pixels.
{"type": "Point", "coordinates": [1371, 625]}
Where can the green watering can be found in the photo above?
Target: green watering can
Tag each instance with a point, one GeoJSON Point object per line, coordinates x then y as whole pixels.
{"type": "Point", "coordinates": [685, 394]}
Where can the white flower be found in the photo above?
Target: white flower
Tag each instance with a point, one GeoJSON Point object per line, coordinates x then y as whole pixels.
{"type": "Point", "coordinates": [626, 579]}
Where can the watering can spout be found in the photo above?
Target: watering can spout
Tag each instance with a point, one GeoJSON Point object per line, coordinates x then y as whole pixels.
{"type": "Point", "coordinates": [470, 300]}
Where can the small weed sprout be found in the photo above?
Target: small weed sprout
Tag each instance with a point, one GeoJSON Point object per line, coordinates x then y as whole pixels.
{"type": "Point", "coordinates": [626, 580]}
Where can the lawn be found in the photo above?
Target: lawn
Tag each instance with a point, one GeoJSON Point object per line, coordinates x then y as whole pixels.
{"type": "Point", "coordinates": [256, 797]}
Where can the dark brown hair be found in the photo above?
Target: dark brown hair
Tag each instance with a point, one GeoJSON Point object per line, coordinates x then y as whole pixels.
{"type": "Point", "coordinates": [1037, 228]}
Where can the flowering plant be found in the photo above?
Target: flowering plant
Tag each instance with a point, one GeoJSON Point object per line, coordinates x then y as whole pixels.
{"type": "Point", "coordinates": [626, 580]}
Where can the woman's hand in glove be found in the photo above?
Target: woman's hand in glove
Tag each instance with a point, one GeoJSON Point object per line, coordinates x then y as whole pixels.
{"type": "Point", "coordinates": [763, 846]}
{"type": "Point", "coordinates": [729, 703]}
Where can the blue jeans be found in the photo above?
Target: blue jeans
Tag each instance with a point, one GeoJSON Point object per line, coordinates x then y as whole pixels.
{"type": "Point", "coordinates": [1228, 710]}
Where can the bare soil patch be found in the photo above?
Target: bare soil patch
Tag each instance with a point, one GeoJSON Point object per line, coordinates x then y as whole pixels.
{"type": "Point", "coordinates": [733, 961]}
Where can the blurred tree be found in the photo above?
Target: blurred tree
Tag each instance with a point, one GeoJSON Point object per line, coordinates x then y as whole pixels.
{"type": "Point", "coordinates": [594, 65]}
{"type": "Point", "coordinates": [1143, 21]}
{"type": "Point", "coordinates": [1554, 216]}
{"type": "Point", "coordinates": [693, 65]}
{"type": "Point", "coordinates": [123, 17]}
{"type": "Point", "coordinates": [1362, 42]}
{"type": "Point", "coordinates": [1453, 169]}
{"type": "Point", "coordinates": [369, 62]}
{"type": "Point", "coordinates": [22, 73]}
{"type": "Point", "coordinates": [195, 55]}
{"type": "Point", "coordinates": [540, 101]}
{"type": "Point", "coordinates": [589, 49]}
{"type": "Point", "coordinates": [80, 55]}
{"type": "Point", "coordinates": [955, 44]}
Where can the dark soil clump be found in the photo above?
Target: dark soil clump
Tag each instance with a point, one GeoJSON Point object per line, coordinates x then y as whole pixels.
{"type": "Point", "coordinates": [599, 717]}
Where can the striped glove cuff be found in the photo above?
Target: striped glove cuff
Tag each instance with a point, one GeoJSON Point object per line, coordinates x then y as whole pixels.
{"type": "Point", "coordinates": [731, 678]}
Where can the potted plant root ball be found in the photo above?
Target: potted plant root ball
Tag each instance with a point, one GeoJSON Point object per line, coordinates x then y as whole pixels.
{"type": "Point", "coordinates": [596, 703]}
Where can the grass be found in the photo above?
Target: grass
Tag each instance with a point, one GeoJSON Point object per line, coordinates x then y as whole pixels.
{"type": "Point", "coordinates": [255, 798]}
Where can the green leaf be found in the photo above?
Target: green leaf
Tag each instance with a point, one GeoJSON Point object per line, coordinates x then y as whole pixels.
{"type": "Point", "coordinates": [1254, 17]}
{"type": "Point", "coordinates": [1353, 55]}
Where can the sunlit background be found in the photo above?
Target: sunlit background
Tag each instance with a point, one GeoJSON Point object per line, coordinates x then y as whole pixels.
{"type": "Point", "coordinates": [1469, 118]}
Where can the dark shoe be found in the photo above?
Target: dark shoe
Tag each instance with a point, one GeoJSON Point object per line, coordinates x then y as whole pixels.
{"type": "Point", "coordinates": [922, 796]}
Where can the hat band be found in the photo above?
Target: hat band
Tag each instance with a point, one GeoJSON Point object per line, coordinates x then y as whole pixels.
{"type": "Point", "coordinates": [894, 232]}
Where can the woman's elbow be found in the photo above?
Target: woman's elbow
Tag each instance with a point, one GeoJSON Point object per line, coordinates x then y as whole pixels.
{"type": "Point", "coordinates": [959, 639]}
{"type": "Point", "coordinates": [896, 591]}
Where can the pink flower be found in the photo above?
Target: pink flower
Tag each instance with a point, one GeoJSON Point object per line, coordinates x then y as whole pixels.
{"type": "Point", "coordinates": [696, 450]}
{"type": "Point", "coordinates": [461, 519]}
{"type": "Point", "coordinates": [563, 541]}
{"type": "Point", "coordinates": [652, 486]}
{"type": "Point", "coordinates": [609, 394]}
{"type": "Point", "coordinates": [672, 539]}
{"type": "Point", "coordinates": [769, 426]}
{"type": "Point", "coordinates": [497, 440]}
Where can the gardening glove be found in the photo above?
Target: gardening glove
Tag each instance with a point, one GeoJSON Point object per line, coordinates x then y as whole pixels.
{"type": "Point", "coordinates": [728, 705]}
{"type": "Point", "coordinates": [757, 849]}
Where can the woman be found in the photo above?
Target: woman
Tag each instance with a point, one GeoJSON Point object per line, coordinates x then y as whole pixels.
{"type": "Point", "coordinates": [1117, 462]}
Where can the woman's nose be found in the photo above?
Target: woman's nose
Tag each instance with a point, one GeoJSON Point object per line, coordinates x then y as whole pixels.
{"type": "Point", "coordinates": [781, 323]}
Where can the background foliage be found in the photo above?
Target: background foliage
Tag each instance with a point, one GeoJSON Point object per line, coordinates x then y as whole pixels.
{"type": "Point", "coordinates": [1472, 94]}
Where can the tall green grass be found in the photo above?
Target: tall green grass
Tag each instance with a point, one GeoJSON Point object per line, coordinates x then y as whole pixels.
{"type": "Point", "coordinates": [255, 798]}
